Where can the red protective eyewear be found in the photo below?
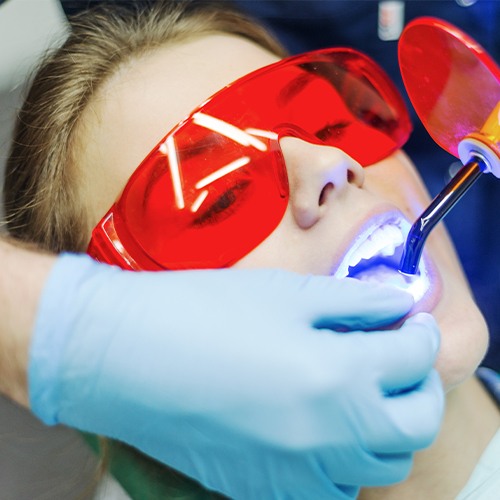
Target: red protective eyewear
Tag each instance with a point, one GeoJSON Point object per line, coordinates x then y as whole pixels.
{"type": "Point", "coordinates": [216, 185]}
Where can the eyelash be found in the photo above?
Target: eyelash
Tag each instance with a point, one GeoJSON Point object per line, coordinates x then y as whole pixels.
{"type": "Point", "coordinates": [224, 206]}
{"type": "Point", "coordinates": [332, 131]}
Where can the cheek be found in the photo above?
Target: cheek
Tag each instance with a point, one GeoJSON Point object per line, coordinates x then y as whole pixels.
{"type": "Point", "coordinates": [464, 339]}
{"type": "Point", "coordinates": [289, 248]}
{"type": "Point", "coordinates": [397, 181]}
{"type": "Point", "coordinates": [280, 249]}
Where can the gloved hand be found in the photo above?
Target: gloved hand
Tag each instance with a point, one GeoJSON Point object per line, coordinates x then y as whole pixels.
{"type": "Point", "coordinates": [235, 378]}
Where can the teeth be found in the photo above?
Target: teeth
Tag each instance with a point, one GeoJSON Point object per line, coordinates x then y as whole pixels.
{"type": "Point", "coordinates": [382, 241]}
{"type": "Point", "coordinates": [394, 238]}
{"type": "Point", "coordinates": [388, 250]}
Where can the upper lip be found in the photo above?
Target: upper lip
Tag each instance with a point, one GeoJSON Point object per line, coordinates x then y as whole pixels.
{"type": "Point", "coordinates": [383, 234]}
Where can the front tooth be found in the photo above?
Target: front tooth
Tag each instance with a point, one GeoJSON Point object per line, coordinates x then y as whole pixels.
{"type": "Point", "coordinates": [366, 250]}
{"type": "Point", "coordinates": [369, 248]}
{"type": "Point", "coordinates": [355, 258]}
{"type": "Point", "coordinates": [379, 239]}
{"type": "Point", "coordinates": [394, 234]}
{"type": "Point", "coordinates": [383, 241]}
{"type": "Point", "coordinates": [388, 250]}
{"type": "Point", "coordinates": [388, 237]}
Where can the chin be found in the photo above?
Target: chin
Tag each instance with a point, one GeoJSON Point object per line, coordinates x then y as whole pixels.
{"type": "Point", "coordinates": [464, 342]}
{"type": "Point", "coordinates": [464, 332]}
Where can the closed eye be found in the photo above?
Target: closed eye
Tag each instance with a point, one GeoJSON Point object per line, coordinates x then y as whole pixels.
{"type": "Point", "coordinates": [332, 131]}
{"type": "Point", "coordinates": [224, 206]}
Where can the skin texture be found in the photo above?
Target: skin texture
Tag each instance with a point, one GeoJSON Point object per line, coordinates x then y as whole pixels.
{"type": "Point", "coordinates": [19, 287]}
{"type": "Point", "coordinates": [327, 208]}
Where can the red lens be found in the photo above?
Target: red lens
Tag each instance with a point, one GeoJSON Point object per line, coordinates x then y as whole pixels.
{"type": "Point", "coordinates": [212, 217]}
{"type": "Point", "coordinates": [216, 186]}
{"type": "Point", "coordinates": [452, 82]}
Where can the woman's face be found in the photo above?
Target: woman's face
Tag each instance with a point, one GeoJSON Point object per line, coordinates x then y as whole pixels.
{"type": "Point", "coordinates": [332, 201]}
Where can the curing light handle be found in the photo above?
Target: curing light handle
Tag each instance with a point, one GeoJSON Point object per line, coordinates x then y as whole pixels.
{"type": "Point", "coordinates": [479, 153]}
{"type": "Point", "coordinates": [436, 211]}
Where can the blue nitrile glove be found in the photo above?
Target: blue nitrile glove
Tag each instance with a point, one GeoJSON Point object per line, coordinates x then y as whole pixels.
{"type": "Point", "coordinates": [234, 378]}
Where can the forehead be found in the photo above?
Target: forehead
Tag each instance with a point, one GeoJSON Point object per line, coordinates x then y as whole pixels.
{"type": "Point", "coordinates": [144, 100]}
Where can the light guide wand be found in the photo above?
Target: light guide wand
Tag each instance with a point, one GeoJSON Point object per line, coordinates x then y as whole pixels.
{"type": "Point", "coordinates": [436, 211]}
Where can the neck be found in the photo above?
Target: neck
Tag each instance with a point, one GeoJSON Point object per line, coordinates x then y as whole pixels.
{"type": "Point", "coordinates": [442, 470]}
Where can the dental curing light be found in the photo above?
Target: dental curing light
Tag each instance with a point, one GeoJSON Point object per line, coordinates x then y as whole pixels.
{"type": "Point", "coordinates": [454, 86]}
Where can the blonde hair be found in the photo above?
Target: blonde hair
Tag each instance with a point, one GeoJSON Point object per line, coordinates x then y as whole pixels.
{"type": "Point", "coordinates": [41, 199]}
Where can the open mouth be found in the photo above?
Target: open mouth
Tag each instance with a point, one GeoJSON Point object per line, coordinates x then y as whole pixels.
{"type": "Point", "coordinates": [375, 256]}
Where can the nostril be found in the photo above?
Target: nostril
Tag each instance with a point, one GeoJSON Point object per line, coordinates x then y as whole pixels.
{"type": "Point", "coordinates": [351, 176]}
{"type": "Point", "coordinates": [324, 193]}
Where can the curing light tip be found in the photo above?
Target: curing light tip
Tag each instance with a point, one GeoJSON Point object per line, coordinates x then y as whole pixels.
{"type": "Point", "coordinates": [435, 212]}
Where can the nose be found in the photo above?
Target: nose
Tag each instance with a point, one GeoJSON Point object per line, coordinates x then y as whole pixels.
{"type": "Point", "coordinates": [318, 175]}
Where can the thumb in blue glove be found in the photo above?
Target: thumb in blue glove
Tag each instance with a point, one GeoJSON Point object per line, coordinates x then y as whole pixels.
{"type": "Point", "coordinates": [240, 378]}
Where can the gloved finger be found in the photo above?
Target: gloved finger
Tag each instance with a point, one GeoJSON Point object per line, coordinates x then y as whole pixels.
{"type": "Point", "coordinates": [413, 419]}
{"type": "Point", "coordinates": [405, 356]}
{"type": "Point", "coordinates": [365, 468]}
{"type": "Point", "coordinates": [392, 468]}
{"type": "Point", "coordinates": [352, 304]}
{"type": "Point", "coordinates": [306, 477]}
